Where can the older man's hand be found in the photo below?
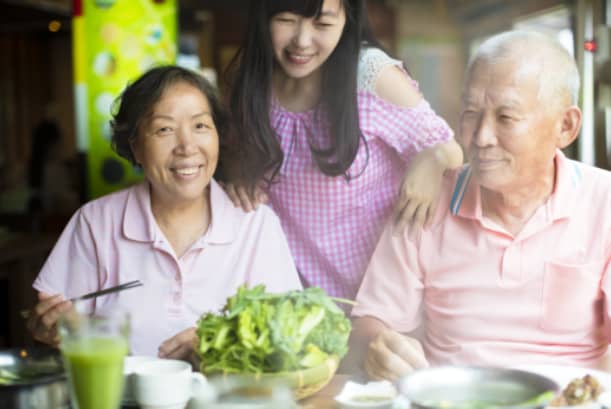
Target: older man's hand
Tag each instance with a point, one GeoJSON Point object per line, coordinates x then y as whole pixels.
{"type": "Point", "coordinates": [391, 355]}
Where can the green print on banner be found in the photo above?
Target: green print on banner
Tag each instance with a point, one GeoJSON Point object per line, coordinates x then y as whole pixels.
{"type": "Point", "coordinates": [123, 39]}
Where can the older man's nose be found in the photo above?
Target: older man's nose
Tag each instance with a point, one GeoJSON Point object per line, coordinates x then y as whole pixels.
{"type": "Point", "coordinates": [485, 132]}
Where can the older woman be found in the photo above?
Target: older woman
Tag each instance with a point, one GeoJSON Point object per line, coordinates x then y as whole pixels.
{"type": "Point", "coordinates": [177, 231]}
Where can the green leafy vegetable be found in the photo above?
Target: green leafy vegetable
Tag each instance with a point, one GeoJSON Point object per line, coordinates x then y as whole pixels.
{"type": "Point", "coordinates": [263, 332]}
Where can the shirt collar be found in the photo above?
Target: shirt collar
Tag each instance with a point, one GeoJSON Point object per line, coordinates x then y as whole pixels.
{"type": "Point", "coordinates": [568, 180]}
{"type": "Point", "coordinates": [139, 223]}
{"type": "Point", "coordinates": [466, 200]}
{"type": "Point", "coordinates": [223, 226]}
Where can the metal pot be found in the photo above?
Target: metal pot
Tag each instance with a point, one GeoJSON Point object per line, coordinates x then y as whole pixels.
{"type": "Point", "coordinates": [33, 378]}
{"type": "Point", "coordinates": [453, 387]}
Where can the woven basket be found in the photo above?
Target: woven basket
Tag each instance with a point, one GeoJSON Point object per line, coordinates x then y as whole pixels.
{"type": "Point", "coordinates": [302, 383]}
{"type": "Point", "coordinates": [306, 381]}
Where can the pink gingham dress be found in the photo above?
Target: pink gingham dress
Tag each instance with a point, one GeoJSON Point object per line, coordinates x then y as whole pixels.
{"type": "Point", "coordinates": [332, 223]}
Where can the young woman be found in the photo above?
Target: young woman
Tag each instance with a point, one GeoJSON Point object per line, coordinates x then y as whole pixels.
{"type": "Point", "coordinates": [334, 133]}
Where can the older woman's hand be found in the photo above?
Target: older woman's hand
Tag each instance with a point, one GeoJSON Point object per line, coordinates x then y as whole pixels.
{"type": "Point", "coordinates": [391, 355]}
{"type": "Point", "coordinates": [180, 346]}
{"type": "Point", "coordinates": [43, 318]}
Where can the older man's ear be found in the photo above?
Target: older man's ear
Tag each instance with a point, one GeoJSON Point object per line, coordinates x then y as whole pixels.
{"type": "Point", "coordinates": [570, 126]}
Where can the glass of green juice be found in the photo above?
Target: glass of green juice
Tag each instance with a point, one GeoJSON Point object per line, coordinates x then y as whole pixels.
{"type": "Point", "coordinates": [93, 348]}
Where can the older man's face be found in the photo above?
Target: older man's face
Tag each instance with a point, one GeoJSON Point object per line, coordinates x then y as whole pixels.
{"type": "Point", "coordinates": [507, 131]}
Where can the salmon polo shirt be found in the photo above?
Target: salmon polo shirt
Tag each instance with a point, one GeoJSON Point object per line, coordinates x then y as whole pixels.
{"type": "Point", "coordinates": [115, 239]}
{"type": "Point", "coordinates": [486, 297]}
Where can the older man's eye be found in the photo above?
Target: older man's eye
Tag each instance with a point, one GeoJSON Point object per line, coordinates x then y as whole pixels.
{"type": "Point", "coordinates": [469, 114]}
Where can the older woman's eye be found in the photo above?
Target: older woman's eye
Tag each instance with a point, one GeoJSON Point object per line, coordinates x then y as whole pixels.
{"type": "Point", "coordinates": [202, 126]}
{"type": "Point", "coordinates": [165, 130]}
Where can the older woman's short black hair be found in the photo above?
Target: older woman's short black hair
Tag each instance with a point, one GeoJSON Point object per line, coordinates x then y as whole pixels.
{"type": "Point", "coordinates": [139, 97]}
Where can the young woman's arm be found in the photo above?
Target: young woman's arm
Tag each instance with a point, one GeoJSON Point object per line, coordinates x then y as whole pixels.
{"type": "Point", "coordinates": [419, 191]}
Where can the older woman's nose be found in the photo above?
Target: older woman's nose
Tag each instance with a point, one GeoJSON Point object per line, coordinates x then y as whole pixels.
{"type": "Point", "coordinates": [186, 141]}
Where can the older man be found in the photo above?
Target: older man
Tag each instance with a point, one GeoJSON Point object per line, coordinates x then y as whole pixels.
{"type": "Point", "coordinates": [517, 266]}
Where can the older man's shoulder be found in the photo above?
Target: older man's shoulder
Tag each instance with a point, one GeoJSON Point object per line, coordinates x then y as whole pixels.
{"type": "Point", "coordinates": [591, 177]}
{"type": "Point", "coordinates": [454, 182]}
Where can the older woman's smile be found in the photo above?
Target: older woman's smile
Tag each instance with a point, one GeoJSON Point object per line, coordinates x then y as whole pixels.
{"type": "Point", "coordinates": [187, 171]}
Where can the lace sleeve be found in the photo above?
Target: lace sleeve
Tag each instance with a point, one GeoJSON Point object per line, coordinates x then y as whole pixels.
{"type": "Point", "coordinates": [371, 62]}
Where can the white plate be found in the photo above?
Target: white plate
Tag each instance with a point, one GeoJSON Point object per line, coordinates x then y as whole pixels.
{"type": "Point", "coordinates": [563, 375]}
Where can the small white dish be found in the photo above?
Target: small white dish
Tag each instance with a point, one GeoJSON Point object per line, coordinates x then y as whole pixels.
{"type": "Point", "coordinates": [373, 395]}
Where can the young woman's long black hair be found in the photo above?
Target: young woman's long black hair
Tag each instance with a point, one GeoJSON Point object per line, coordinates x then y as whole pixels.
{"type": "Point", "coordinates": [250, 99]}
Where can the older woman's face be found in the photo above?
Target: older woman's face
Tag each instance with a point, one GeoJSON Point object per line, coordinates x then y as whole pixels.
{"type": "Point", "coordinates": [177, 145]}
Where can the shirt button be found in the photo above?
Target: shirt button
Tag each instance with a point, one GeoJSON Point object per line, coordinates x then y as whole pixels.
{"type": "Point", "coordinates": [177, 298]}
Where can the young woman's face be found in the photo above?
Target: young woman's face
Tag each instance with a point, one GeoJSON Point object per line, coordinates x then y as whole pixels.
{"type": "Point", "coordinates": [178, 145]}
{"type": "Point", "coordinates": [302, 45]}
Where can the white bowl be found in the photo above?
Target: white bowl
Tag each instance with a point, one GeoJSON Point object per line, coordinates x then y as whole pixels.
{"type": "Point", "coordinates": [373, 395]}
{"type": "Point", "coordinates": [130, 363]}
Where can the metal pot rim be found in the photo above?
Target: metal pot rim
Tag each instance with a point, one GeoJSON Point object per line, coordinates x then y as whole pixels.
{"type": "Point", "coordinates": [21, 354]}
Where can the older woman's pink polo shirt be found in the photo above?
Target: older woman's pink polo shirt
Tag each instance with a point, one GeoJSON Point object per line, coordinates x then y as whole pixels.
{"type": "Point", "coordinates": [116, 239]}
{"type": "Point", "coordinates": [489, 298]}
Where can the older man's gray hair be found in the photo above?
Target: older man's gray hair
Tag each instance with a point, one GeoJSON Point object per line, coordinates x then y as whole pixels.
{"type": "Point", "coordinates": [558, 74]}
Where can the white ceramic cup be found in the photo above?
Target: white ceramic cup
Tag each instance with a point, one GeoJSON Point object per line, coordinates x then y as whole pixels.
{"type": "Point", "coordinates": [130, 363]}
{"type": "Point", "coordinates": [164, 384]}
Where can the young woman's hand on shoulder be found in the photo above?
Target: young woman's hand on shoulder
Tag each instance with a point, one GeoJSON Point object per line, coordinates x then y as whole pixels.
{"type": "Point", "coordinates": [420, 188]}
{"type": "Point", "coordinates": [241, 197]}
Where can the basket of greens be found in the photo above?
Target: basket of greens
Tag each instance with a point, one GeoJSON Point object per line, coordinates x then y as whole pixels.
{"type": "Point", "coordinates": [298, 337]}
